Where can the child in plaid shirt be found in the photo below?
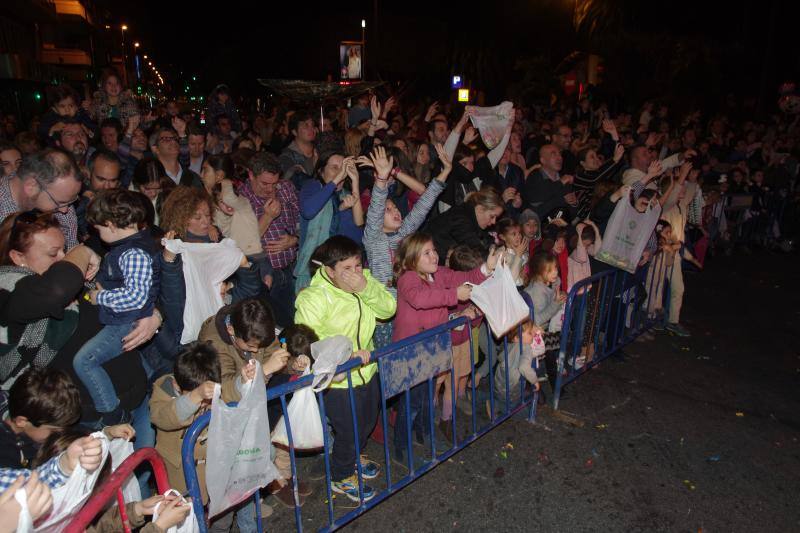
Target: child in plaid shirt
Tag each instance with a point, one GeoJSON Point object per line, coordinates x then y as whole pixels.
{"type": "Point", "coordinates": [127, 286]}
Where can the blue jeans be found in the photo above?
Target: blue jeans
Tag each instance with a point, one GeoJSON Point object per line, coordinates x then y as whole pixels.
{"type": "Point", "coordinates": [88, 365]}
{"type": "Point", "coordinates": [281, 296]}
{"type": "Point", "coordinates": [145, 438]}
{"type": "Point", "coordinates": [419, 401]}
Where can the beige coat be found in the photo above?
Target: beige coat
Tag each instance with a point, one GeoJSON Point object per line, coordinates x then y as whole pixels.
{"type": "Point", "coordinates": [170, 432]}
{"type": "Point", "coordinates": [231, 359]}
{"type": "Point", "coordinates": [242, 225]}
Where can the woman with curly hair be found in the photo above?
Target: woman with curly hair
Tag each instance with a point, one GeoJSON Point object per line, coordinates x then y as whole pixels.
{"type": "Point", "coordinates": [186, 215]}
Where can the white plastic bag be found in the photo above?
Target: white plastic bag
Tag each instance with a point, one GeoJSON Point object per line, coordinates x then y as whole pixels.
{"type": "Point", "coordinates": [627, 234]}
{"type": "Point", "coordinates": [238, 457]}
{"type": "Point", "coordinates": [492, 122]}
{"type": "Point", "coordinates": [500, 301]}
{"type": "Point", "coordinates": [70, 497]}
{"type": "Point", "coordinates": [24, 521]}
{"type": "Point", "coordinates": [189, 525]}
{"type": "Point", "coordinates": [121, 449]}
{"type": "Point", "coordinates": [304, 418]}
{"type": "Point", "coordinates": [205, 267]}
{"type": "Point", "coordinates": [328, 354]}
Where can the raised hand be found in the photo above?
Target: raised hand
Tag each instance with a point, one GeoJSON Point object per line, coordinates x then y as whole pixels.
{"type": "Point", "coordinates": [383, 166]}
{"type": "Point", "coordinates": [655, 169]}
{"type": "Point", "coordinates": [375, 108]}
{"type": "Point", "coordinates": [347, 202]}
{"type": "Point", "coordinates": [619, 151]}
{"type": "Point", "coordinates": [447, 163]}
{"type": "Point", "coordinates": [432, 110]}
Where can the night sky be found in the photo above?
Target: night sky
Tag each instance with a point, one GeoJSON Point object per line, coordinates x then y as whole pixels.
{"type": "Point", "coordinates": [425, 41]}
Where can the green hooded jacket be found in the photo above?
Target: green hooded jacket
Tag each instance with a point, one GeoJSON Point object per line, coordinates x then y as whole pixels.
{"type": "Point", "coordinates": [329, 311]}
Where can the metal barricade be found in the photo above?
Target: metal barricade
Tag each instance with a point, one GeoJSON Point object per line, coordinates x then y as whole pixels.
{"type": "Point", "coordinates": [405, 368]}
{"type": "Point", "coordinates": [604, 313]}
{"type": "Point", "coordinates": [112, 487]}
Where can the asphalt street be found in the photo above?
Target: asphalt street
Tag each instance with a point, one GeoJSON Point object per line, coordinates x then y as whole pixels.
{"type": "Point", "coordinates": [695, 434]}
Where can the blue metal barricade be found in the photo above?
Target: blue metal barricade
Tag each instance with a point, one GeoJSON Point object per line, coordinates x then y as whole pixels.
{"type": "Point", "coordinates": [604, 313]}
{"type": "Point", "coordinates": [408, 367]}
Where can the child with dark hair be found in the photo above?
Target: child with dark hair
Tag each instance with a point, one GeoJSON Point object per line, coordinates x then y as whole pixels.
{"type": "Point", "coordinates": [462, 258]}
{"type": "Point", "coordinates": [40, 402]}
{"type": "Point", "coordinates": [72, 442]}
{"type": "Point", "coordinates": [177, 400]}
{"type": "Point", "coordinates": [240, 333]}
{"type": "Point", "coordinates": [127, 286]}
{"type": "Point", "coordinates": [298, 339]}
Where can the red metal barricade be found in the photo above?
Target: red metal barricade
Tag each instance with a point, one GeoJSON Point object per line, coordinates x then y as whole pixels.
{"type": "Point", "coordinates": [112, 488]}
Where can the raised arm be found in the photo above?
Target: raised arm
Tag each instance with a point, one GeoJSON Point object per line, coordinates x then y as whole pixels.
{"type": "Point", "coordinates": [497, 152]}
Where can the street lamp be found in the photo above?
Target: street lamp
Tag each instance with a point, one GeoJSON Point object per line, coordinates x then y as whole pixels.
{"type": "Point", "coordinates": [124, 60]}
{"type": "Point", "coordinates": [363, 48]}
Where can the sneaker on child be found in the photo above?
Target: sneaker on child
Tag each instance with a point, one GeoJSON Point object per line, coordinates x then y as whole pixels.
{"type": "Point", "coordinates": [349, 487]}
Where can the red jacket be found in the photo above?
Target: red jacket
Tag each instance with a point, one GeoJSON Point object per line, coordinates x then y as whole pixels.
{"type": "Point", "coordinates": [424, 304]}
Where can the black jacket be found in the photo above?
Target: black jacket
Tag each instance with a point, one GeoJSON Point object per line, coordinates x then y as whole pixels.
{"type": "Point", "coordinates": [455, 226]}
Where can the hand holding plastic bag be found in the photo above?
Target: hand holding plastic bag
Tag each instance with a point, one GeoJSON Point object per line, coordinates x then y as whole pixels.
{"type": "Point", "coordinates": [492, 122]}
{"type": "Point", "coordinates": [189, 524]}
{"type": "Point", "coordinates": [304, 421]}
{"type": "Point", "coordinates": [328, 354]}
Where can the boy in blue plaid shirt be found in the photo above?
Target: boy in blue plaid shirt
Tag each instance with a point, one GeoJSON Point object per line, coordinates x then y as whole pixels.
{"type": "Point", "coordinates": [127, 287]}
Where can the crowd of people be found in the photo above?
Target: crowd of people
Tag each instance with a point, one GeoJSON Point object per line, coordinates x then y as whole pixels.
{"type": "Point", "coordinates": [372, 223]}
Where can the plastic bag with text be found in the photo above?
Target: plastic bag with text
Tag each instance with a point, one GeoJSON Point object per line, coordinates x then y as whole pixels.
{"type": "Point", "coordinates": [238, 458]}
{"type": "Point", "coordinates": [627, 234]}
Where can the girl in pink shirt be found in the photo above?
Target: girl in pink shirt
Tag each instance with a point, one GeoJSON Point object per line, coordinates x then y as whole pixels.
{"type": "Point", "coordinates": [425, 292]}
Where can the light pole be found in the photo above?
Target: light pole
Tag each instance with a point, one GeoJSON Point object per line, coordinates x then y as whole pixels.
{"type": "Point", "coordinates": [136, 63]}
{"type": "Point", "coordinates": [363, 48]}
{"type": "Point", "coordinates": [124, 60]}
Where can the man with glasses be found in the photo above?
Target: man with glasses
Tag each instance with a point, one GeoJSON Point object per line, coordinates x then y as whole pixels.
{"type": "Point", "coordinates": [562, 138]}
{"type": "Point", "coordinates": [49, 181]}
{"type": "Point", "coordinates": [165, 146]}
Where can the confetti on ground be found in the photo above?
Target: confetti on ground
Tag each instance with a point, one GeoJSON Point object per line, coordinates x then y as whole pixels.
{"type": "Point", "coordinates": [508, 446]}
{"type": "Point", "coordinates": [544, 459]}
{"type": "Point", "coordinates": [739, 414]}
{"type": "Point", "coordinates": [595, 453]}
{"type": "Point", "coordinates": [589, 463]}
{"type": "Point", "coordinates": [713, 458]}
{"type": "Point", "coordinates": [503, 455]}
{"type": "Point", "coordinates": [689, 485]}
{"type": "Point", "coordinates": [601, 426]}
{"type": "Point", "coordinates": [499, 473]}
